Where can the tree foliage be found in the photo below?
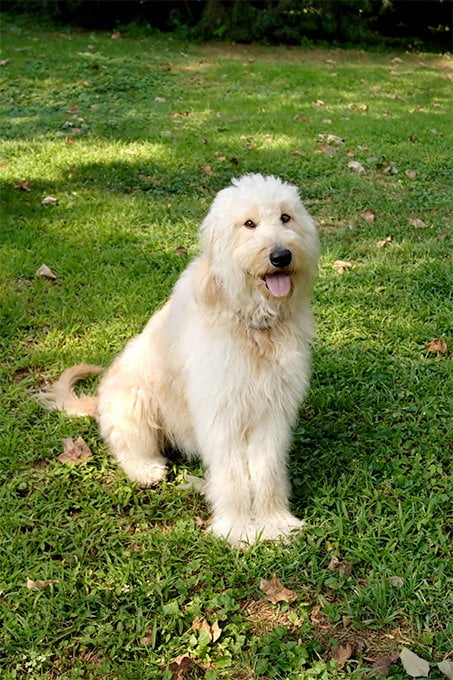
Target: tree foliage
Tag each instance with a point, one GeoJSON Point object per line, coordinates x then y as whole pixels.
{"type": "Point", "coordinates": [269, 21]}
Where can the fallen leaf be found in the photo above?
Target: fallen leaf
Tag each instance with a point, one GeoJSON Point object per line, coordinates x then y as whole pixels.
{"type": "Point", "coordinates": [396, 581]}
{"type": "Point", "coordinates": [319, 103]}
{"type": "Point", "coordinates": [208, 170]}
{"type": "Point", "coordinates": [375, 88]}
{"type": "Point", "coordinates": [3, 62]}
{"type": "Point", "coordinates": [181, 250]}
{"type": "Point", "coordinates": [69, 140]}
{"type": "Point", "coordinates": [334, 139]}
{"type": "Point", "coordinates": [182, 666]}
{"type": "Point", "coordinates": [411, 174]}
{"type": "Point", "coordinates": [46, 272]}
{"type": "Point", "coordinates": [183, 114]}
{"type": "Point", "coordinates": [160, 100]}
{"type": "Point", "coordinates": [397, 60]}
{"type": "Point", "coordinates": [341, 266]}
{"type": "Point", "coordinates": [328, 150]}
{"type": "Point", "coordinates": [23, 185]}
{"type": "Point", "coordinates": [296, 152]}
{"type": "Point", "coordinates": [116, 35]}
{"type": "Point", "coordinates": [341, 654]}
{"type": "Point", "coordinates": [327, 121]}
{"type": "Point", "coordinates": [214, 631]}
{"type": "Point", "coordinates": [419, 224]}
{"type": "Point", "coordinates": [384, 242]}
{"type": "Point", "coordinates": [381, 666]}
{"type": "Point", "coordinates": [414, 665]}
{"type": "Point", "coordinates": [49, 200]}
{"type": "Point", "coordinates": [275, 591]}
{"type": "Point", "coordinates": [38, 585]}
{"type": "Point", "coordinates": [356, 166]}
{"type": "Point", "coordinates": [166, 68]}
{"type": "Point", "coordinates": [75, 451]}
{"type": "Point", "coordinates": [368, 216]}
{"type": "Point", "coordinates": [437, 345]}
{"type": "Point", "coordinates": [335, 563]}
{"type": "Point", "coordinates": [300, 116]}
{"type": "Point", "coordinates": [446, 667]}
{"type": "Point", "coordinates": [200, 522]}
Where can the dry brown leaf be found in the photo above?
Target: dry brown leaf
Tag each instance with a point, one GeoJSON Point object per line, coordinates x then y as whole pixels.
{"type": "Point", "coordinates": [216, 631]}
{"type": "Point", "coordinates": [300, 116]}
{"type": "Point", "coordinates": [213, 631]}
{"type": "Point", "coordinates": [182, 666]}
{"type": "Point", "coordinates": [69, 140]}
{"type": "Point", "coordinates": [328, 150]}
{"type": "Point", "coordinates": [319, 103]}
{"type": "Point", "coordinates": [116, 35]}
{"type": "Point", "coordinates": [45, 272]}
{"type": "Point", "coordinates": [446, 667]}
{"type": "Point", "coordinates": [275, 591]}
{"type": "Point", "coordinates": [296, 152]}
{"type": "Point", "coordinates": [397, 60]}
{"type": "Point", "coordinates": [182, 250]}
{"type": "Point", "coordinates": [411, 174]}
{"type": "Point", "coordinates": [417, 223]}
{"type": "Point", "coordinates": [368, 216]}
{"type": "Point", "coordinates": [336, 564]}
{"type": "Point", "coordinates": [437, 345]}
{"type": "Point", "coordinates": [75, 451]}
{"type": "Point", "coordinates": [49, 200]}
{"type": "Point", "coordinates": [383, 242]}
{"type": "Point", "coordinates": [38, 585]}
{"type": "Point", "coordinates": [342, 265]}
{"type": "Point", "coordinates": [3, 62]}
{"type": "Point", "coordinates": [356, 166]}
{"type": "Point", "coordinates": [341, 653]}
{"type": "Point", "coordinates": [381, 666]}
{"type": "Point", "coordinates": [23, 185]}
{"type": "Point", "coordinates": [208, 169]}
{"type": "Point", "coordinates": [414, 665]}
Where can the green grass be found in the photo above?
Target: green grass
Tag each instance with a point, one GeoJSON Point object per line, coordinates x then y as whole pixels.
{"type": "Point", "coordinates": [370, 455]}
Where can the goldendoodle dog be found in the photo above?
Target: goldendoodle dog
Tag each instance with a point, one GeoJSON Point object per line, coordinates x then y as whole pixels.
{"type": "Point", "coordinates": [220, 370]}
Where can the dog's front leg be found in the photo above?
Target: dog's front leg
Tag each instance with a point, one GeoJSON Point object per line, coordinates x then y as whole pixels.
{"type": "Point", "coordinates": [228, 491]}
{"type": "Point", "coordinates": [267, 465]}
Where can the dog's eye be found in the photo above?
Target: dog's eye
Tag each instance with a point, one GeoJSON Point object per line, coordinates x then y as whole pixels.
{"type": "Point", "coordinates": [285, 218]}
{"type": "Point", "coordinates": [250, 224]}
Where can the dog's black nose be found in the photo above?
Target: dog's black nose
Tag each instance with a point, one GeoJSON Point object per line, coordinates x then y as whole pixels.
{"type": "Point", "coordinates": [280, 257]}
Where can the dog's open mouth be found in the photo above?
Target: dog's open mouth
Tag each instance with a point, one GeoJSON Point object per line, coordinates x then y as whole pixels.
{"type": "Point", "coordinates": [278, 284]}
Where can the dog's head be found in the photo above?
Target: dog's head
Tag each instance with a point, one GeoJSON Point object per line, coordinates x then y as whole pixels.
{"type": "Point", "coordinates": [260, 240]}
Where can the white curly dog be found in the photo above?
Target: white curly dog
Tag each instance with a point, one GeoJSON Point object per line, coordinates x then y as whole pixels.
{"type": "Point", "coordinates": [220, 370]}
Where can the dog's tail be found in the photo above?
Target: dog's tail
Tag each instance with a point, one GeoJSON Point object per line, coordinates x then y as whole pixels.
{"type": "Point", "coordinates": [61, 396]}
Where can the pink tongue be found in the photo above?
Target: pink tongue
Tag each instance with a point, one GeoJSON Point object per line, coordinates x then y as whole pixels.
{"type": "Point", "coordinates": [278, 284]}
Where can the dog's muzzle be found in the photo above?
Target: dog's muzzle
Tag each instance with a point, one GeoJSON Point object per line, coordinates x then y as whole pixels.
{"type": "Point", "coordinates": [279, 283]}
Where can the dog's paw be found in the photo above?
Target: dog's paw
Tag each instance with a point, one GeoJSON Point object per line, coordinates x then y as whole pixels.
{"type": "Point", "coordinates": [278, 526]}
{"type": "Point", "coordinates": [238, 534]}
{"type": "Point", "coordinates": [146, 475]}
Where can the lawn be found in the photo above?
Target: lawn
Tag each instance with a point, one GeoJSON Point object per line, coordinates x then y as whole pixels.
{"type": "Point", "coordinates": [132, 135]}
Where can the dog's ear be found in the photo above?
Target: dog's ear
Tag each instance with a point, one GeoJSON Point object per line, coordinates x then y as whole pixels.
{"type": "Point", "coordinates": [206, 288]}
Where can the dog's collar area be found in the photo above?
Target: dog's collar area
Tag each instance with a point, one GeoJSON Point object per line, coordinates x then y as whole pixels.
{"type": "Point", "coordinates": [263, 325]}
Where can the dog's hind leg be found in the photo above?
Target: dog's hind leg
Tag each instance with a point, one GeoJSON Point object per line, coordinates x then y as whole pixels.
{"type": "Point", "coordinates": [128, 421]}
